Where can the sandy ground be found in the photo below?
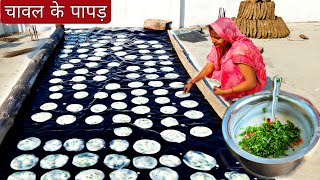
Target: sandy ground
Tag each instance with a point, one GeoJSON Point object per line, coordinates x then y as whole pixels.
{"type": "Point", "coordinates": [296, 60]}
{"type": "Point", "coordinates": [12, 68]}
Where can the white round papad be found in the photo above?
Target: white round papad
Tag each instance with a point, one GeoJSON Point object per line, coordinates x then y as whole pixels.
{"type": "Point", "coordinates": [135, 84]}
{"type": "Point", "coordinates": [79, 86]}
{"type": "Point", "coordinates": [81, 94]}
{"type": "Point", "coordinates": [162, 100]}
{"type": "Point", "coordinates": [172, 135]}
{"type": "Point", "coordinates": [145, 162]}
{"type": "Point", "coordinates": [94, 119]}
{"type": "Point", "coordinates": [121, 174]}
{"type": "Point", "coordinates": [181, 94]}
{"type": "Point", "coordinates": [140, 100]}
{"type": "Point", "coordinates": [66, 119]}
{"type": "Point", "coordinates": [53, 161]}
{"type": "Point", "coordinates": [176, 85]}
{"type": "Point", "coordinates": [122, 131]}
{"type": "Point", "coordinates": [74, 107]}
{"type": "Point", "coordinates": [155, 83]}
{"type": "Point", "coordinates": [41, 116]}
{"type": "Point", "coordinates": [143, 123]}
{"type": "Point", "coordinates": [170, 160]}
{"type": "Point", "coordinates": [98, 108]}
{"type": "Point", "coordinates": [56, 174]}
{"type": "Point", "coordinates": [29, 144]}
{"type": "Point", "coordinates": [169, 122]}
{"type": "Point", "coordinates": [141, 109]}
{"type": "Point", "coordinates": [146, 146]}
{"type": "Point", "coordinates": [199, 160]}
{"type": "Point", "coordinates": [139, 92]}
{"type": "Point", "coordinates": [168, 110]}
{"type": "Point", "coordinates": [118, 96]}
{"type": "Point", "coordinates": [160, 92]}
{"type": "Point", "coordinates": [116, 161]}
{"type": "Point", "coordinates": [55, 80]}
{"type": "Point", "coordinates": [200, 131]}
{"type": "Point", "coordinates": [202, 175]}
{"type": "Point", "coordinates": [90, 174]}
{"type": "Point", "coordinates": [28, 175]}
{"type": "Point", "coordinates": [152, 76]}
{"type": "Point", "coordinates": [56, 96]}
{"type": "Point", "coordinates": [112, 86]}
{"type": "Point", "coordinates": [102, 71]}
{"type": "Point", "coordinates": [55, 88]}
{"type": "Point", "coordinates": [119, 145]}
{"type": "Point", "coordinates": [119, 105]}
{"type": "Point", "coordinates": [193, 114]}
{"type": "Point", "coordinates": [81, 71]}
{"type": "Point", "coordinates": [121, 118]}
{"type": "Point", "coordinates": [163, 173]}
{"type": "Point", "coordinates": [189, 103]}
{"type": "Point", "coordinates": [52, 145]}
{"type": "Point", "coordinates": [85, 159]}
{"type": "Point", "coordinates": [24, 162]}
{"type": "Point", "coordinates": [74, 144]}
{"type": "Point", "coordinates": [101, 95]}
{"type": "Point", "coordinates": [95, 144]}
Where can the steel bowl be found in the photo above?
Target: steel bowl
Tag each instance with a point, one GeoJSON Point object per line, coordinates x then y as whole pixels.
{"type": "Point", "coordinates": [247, 111]}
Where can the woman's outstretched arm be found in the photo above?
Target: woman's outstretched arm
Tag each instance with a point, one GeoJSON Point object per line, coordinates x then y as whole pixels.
{"type": "Point", "coordinates": [204, 73]}
{"type": "Point", "coordinates": [250, 81]}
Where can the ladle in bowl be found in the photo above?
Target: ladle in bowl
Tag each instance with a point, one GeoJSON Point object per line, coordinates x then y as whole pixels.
{"type": "Point", "coordinates": [275, 95]}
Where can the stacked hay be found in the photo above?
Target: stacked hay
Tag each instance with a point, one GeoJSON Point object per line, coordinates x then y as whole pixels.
{"type": "Point", "coordinates": [256, 19]}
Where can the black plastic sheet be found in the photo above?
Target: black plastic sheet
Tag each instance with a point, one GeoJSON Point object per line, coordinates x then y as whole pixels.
{"type": "Point", "coordinates": [25, 127]}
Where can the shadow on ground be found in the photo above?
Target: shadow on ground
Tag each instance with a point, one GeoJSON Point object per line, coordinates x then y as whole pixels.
{"type": "Point", "coordinates": [10, 45]}
{"type": "Point", "coordinates": [191, 35]}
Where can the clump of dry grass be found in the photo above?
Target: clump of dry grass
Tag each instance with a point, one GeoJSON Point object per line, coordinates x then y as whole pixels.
{"type": "Point", "coordinates": [9, 34]}
{"type": "Point", "coordinates": [5, 39]}
{"type": "Point", "coordinates": [18, 52]}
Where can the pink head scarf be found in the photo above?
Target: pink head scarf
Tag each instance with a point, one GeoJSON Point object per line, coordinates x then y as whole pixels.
{"type": "Point", "coordinates": [228, 30]}
{"type": "Point", "coordinates": [242, 51]}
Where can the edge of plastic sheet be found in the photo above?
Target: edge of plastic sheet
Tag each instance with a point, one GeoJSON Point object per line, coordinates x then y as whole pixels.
{"type": "Point", "coordinates": [216, 102]}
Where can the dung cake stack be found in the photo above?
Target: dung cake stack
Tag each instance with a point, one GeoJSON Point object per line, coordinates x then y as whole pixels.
{"type": "Point", "coordinates": [256, 19]}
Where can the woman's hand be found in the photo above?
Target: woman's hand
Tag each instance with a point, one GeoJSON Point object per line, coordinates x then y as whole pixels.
{"type": "Point", "coordinates": [208, 69]}
{"type": "Point", "coordinates": [187, 87]}
{"type": "Point", "coordinates": [219, 91]}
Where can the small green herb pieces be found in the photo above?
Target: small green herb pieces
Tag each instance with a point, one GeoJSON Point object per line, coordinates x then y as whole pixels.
{"type": "Point", "coordinates": [264, 110]}
{"type": "Point", "coordinates": [271, 139]}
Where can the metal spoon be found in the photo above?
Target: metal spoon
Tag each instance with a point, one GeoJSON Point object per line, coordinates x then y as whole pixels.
{"type": "Point", "coordinates": [275, 95]}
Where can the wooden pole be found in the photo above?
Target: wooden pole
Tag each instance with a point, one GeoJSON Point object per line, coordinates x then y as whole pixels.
{"type": "Point", "coordinates": [60, 25]}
